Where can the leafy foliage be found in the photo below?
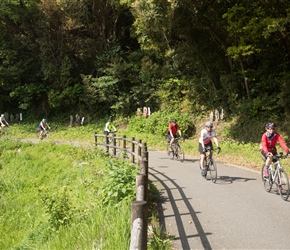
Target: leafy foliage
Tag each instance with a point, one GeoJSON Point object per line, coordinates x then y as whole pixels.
{"type": "Point", "coordinates": [119, 182]}
{"type": "Point", "coordinates": [107, 58]}
{"type": "Point", "coordinates": [157, 123]}
{"type": "Point", "coordinates": [57, 207]}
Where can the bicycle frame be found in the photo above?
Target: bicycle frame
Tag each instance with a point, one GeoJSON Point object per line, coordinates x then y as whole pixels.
{"type": "Point", "coordinates": [177, 151]}
{"type": "Point", "coordinates": [110, 136]}
{"type": "Point", "coordinates": [209, 164]}
{"type": "Point", "coordinates": [278, 176]}
{"type": "Point", "coordinates": [274, 172]}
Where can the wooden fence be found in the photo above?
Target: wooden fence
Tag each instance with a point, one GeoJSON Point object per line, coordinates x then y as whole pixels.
{"type": "Point", "coordinates": [137, 153]}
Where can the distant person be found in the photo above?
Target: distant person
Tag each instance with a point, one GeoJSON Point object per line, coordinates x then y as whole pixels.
{"type": "Point", "coordinates": [3, 122]}
{"type": "Point", "coordinates": [173, 129]}
{"type": "Point", "coordinates": [205, 140]}
{"type": "Point", "coordinates": [268, 145]}
{"type": "Point", "coordinates": [42, 128]}
{"type": "Point", "coordinates": [109, 127]}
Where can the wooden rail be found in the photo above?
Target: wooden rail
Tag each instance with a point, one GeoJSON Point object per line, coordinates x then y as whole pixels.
{"type": "Point", "coordinates": [137, 153]}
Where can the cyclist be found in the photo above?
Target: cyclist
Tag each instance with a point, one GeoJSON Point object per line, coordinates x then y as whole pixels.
{"type": "Point", "coordinates": [173, 129]}
{"type": "Point", "coordinates": [109, 127]}
{"type": "Point", "coordinates": [42, 128]}
{"type": "Point", "coordinates": [205, 140]}
{"type": "Point", "coordinates": [268, 145]}
{"type": "Point", "coordinates": [3, 122]}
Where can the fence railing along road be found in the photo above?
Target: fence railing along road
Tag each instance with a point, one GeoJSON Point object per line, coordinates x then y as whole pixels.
{"type": "Point", "coordinates": [137, 153]}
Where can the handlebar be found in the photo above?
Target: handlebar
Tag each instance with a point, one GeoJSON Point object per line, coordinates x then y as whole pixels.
{"type": "Point", "coordinates": [280, 156]}
{"type": "Point", "coordinates": [218, 149]}
{"type": "Point", "coordinates": [178, 139]}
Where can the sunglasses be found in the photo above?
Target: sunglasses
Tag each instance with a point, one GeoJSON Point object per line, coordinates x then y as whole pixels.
{"type": "Point", "coordinates": [209, 126]}
{"type": "Point", "coordinates": [271, 128]}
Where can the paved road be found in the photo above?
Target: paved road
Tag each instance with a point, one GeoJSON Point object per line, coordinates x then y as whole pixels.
{"type": "Point", "coordinates": [234, 213]}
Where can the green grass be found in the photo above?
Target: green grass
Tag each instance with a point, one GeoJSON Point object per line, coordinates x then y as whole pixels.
{"type": "Point", "coordinates": [50, 198]}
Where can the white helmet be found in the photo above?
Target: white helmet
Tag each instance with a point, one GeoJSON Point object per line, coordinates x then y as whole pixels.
{"type": "Point", "coordinates": [209, 124]}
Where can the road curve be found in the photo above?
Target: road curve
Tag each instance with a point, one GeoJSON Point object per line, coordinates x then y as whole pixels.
{"type": "Point", "coordinates": [234, 213]}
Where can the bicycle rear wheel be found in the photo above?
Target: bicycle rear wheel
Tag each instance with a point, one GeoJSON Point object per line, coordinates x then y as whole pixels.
{"type": "Point", "coordinates": [266, 180]}
{"type": "Point", "coordinates": [213, 170]}
{"type": "Point", "coordinates": [180, 153]}
{"type": "Point", "coordinates": [282, 183]}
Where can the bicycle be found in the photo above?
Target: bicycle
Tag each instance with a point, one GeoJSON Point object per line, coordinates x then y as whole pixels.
{"type": "Point", "coordinates": [4, 130]}
{"type": "Point", "coordinates": [278, 176]}
{"type": "Point", "coordinates": [110, 136]}
{"type": "Point", "coordinates": [45, 134]}
{"type": "Point", "coordinates": [176, 150]}
{"type": "Point", "coordinates": [210, 164]}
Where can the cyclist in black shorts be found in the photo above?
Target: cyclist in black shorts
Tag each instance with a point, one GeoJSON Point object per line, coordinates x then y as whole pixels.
{"type": "Point", "coordinates": [205, 140]}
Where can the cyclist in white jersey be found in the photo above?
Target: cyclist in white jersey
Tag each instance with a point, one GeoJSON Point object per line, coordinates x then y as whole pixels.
{"type": "Point", "coordinates": [3, 122]}
{"type": "Point", "coordinates": [205, 140]}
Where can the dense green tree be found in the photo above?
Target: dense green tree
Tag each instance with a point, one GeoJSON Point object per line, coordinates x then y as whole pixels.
{"type": "Point", "coordinates": [109, 57]}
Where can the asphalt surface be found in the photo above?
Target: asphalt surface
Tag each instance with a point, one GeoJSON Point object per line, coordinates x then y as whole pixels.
{"type": "Point", "coordinates": [234, 213]}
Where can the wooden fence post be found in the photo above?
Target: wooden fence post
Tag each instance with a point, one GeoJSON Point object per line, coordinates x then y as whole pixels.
{"type": "Point", "coordinates": [139, 147]}
{"type": "Point", "coordinates": [114, 143]}
{"type": "Point", "coordinates": [138, 225]}
{"type": "Point", "coordinates": [96, 139]}
{"type": "Point", "coordinates": [132, 150]}
{"type": "Point", "coordinates": [107, 143]}
{"type": "Point", "coordinates": [124, 142]}
{"type": "Point", "coordinates": [140, 187]}
{"type": "Point", "coordinates": [144, 169]}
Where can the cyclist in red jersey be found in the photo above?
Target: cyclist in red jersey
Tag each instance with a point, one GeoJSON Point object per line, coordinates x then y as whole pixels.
{"type": "Point", "coordinates": [268, 145]}
{"type": "Point", "coordinates": [173, 128]}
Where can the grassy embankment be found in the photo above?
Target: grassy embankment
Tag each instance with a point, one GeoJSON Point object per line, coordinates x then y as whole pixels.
{"type": "Point", "coordinates": [62, 197]}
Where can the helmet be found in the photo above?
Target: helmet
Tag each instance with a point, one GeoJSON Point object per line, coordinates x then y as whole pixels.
{"type": "Point", "coordinates": [109, 120]}
{"type": "Point", "coordinates": [209, 124]}
{"type": "Point", "coordinates": [44, 120]}
{"type": "Point", "coordinates": [270, 125]}
{"type": "Point", "coordinates": [174, 120]}
{"type": "Point", "coordinates": [2, 115]}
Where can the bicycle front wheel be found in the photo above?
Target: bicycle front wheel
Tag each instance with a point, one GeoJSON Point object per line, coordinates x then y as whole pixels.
{"type": "Point", "coordinates": [266, 180]}
{"type": "Point", "coordinates": [173, 152]}
{"type": "Point", "coordinates": [180, 153]}
{"type": "Point", "coordinates": [169, 151]}
{"type": "Point", "coordinates": [282, 183]}
{"type": "Point", "coordinates": [213, 170]}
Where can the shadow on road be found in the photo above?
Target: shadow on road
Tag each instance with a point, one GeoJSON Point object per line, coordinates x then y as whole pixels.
{"type": "Point", "coordinates": [231, 179]}
{"type": "Point", "coordinates": [163, 179]}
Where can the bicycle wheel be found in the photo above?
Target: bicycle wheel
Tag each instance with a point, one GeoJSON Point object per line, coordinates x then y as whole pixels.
{"type": "Point", "coordinates": [205, 171]}
{"type": "Point", "coordinates": [266, 181]}
{"type": "Point", "coordinates": [213, 170]}
{"type": "Point", "coordinates": [180, 153]}
{"type": "Point", "coordinates": [168, 149]}
{"type": "Point", "coordinates": [173, 152]}
{"type": "Point", "coordinates": [282, 183]}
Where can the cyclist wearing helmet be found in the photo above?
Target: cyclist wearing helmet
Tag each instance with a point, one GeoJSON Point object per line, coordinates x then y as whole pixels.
{"type": "Point", "coordinates": [3, 122]}
{"type": "Point", "coordinates": [268, 145]}
{"type": "Point", "coordinates": [173, 128]}
{"type": "Point", "coordinates": [42, 127]}
{"type": "Point", "coordinates": [109, 127]}
{"type": "Point", "coordinates": [205, 140]}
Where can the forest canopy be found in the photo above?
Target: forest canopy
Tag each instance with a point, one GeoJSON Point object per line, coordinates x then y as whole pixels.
{"type": "Point", "coordinates": [108, 57]}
